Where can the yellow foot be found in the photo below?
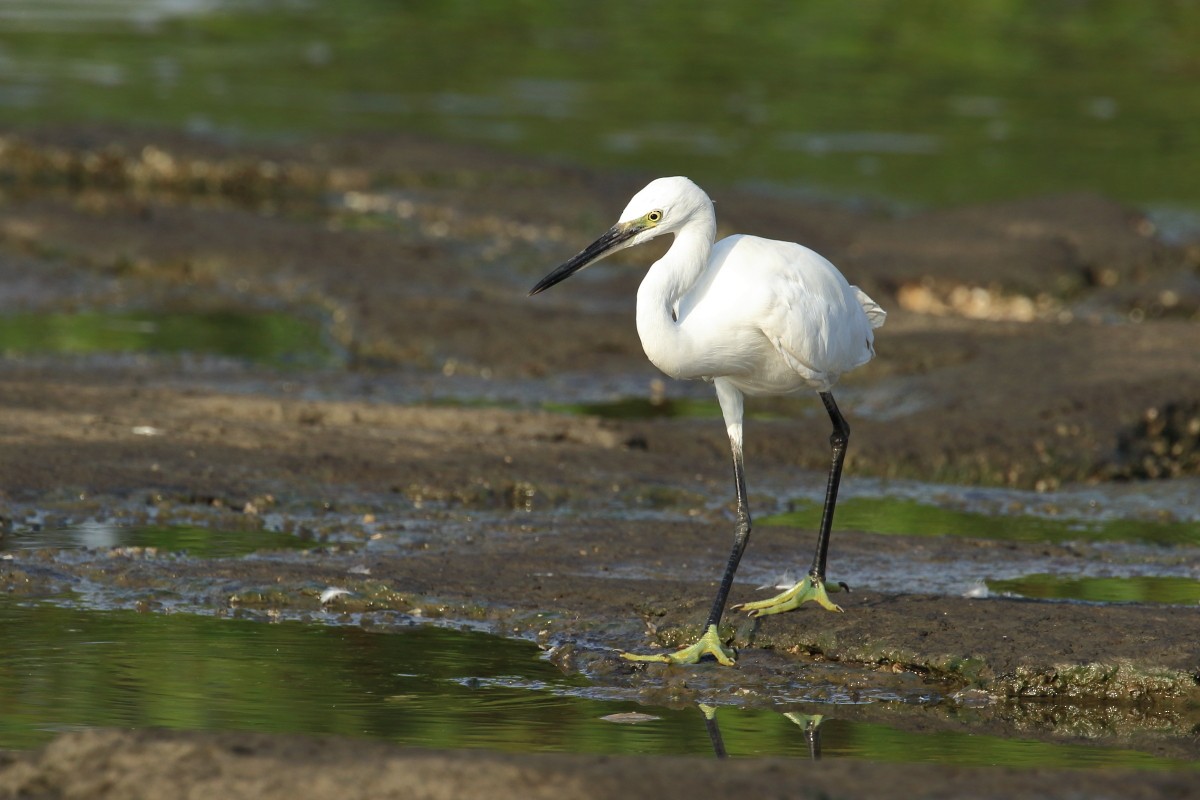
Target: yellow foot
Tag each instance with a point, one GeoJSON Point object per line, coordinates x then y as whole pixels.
{"type": "Point", "coordinates": [808, 589]}
{"type": "Point", "coordinates": [710, 643]}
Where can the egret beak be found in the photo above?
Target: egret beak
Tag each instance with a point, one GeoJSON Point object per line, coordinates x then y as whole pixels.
{"type": "Point", "coordinates": [616, 238]}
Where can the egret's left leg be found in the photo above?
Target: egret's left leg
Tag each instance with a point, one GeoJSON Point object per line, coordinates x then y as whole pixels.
{"type": "Point", "coordinates": [812, 587]}
{"type": "Point", "coordinates": [710, 643]}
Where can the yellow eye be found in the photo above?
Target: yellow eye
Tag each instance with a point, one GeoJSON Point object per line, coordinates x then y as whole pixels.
{"type": "Point", "coordinates": [654, 216]}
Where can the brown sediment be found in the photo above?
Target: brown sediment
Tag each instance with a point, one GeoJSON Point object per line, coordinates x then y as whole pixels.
{"type": "Point", "coordinates": [1029, 344]}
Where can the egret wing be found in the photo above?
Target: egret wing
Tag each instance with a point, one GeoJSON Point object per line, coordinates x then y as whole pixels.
{"type": "Point", "coordinates": [820, 324]}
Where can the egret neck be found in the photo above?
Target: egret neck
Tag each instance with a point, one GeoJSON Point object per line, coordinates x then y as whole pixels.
{"type": "Point", "coordinates": [664, 337]}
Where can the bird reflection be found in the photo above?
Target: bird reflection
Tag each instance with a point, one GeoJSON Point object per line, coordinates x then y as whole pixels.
{"type": "Point", "coordinates": [714, 730]}
{"type": "Point", "coordinates": [809, 723]}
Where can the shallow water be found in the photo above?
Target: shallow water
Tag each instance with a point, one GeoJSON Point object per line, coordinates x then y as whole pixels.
{"type": "Point", "coordinates": [64, 667]}
{"type": "Point", "coordinates": [912, 517]}
{"type": "Point", "coordinates": [191, 540]}
{"type": "Point", "coordinates": [1110, 554]}
{"type": "Point", "coordinates": [271, 338]}
{"type": "Point", "coordinates": [86, 658]}
{"type": "Point", "coordinates": [807, 98]}
{"type": "Point", "coordinates": [1137, 589]}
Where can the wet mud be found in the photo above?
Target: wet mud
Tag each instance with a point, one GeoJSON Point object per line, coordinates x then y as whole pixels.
{"type": "Point", "coordinates": [1033, 345]}
{"type": "Point", "coordinates": [167, 764]}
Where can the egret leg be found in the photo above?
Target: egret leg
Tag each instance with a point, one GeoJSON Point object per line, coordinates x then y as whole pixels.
{"type": "Point", "coordinates": [710, 643]}
{"type": "Point", "coordinates": [812, 587]}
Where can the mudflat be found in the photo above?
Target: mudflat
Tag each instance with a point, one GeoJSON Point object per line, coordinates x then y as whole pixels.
{"type": "Point", "coordinates": [1035, 345]}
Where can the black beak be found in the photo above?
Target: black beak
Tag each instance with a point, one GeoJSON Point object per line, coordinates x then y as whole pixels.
{"type": "Point", "coordinates": [610, 242]}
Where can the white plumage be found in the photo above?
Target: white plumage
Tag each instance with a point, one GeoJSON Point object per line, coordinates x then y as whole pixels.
{"type": "Point", "coordinates": [755, 316]}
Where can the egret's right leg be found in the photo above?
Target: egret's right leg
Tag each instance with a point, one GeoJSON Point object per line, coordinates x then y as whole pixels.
{"type": "Point", "coordinates": [812, 587]}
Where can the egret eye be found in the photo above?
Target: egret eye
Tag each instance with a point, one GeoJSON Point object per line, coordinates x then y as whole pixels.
{"type": "Point", "coordinates": [654, 216]}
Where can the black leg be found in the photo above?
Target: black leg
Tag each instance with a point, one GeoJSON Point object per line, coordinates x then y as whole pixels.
{"type": "Point", "coordinates": [741, 537]}
{"type": "Point", "coordinates": [837, 442]}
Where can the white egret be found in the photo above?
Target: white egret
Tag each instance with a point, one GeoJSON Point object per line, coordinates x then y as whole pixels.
{"type": "Point", "coordinates": [753, 316]}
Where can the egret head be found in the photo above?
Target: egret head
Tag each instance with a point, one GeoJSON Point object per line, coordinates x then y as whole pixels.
{"type": "Point", "coordinates": [664, 206]}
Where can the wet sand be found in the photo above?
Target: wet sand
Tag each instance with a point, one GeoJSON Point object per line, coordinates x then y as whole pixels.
{"type": "Point", "coordinates": [1033, 344]}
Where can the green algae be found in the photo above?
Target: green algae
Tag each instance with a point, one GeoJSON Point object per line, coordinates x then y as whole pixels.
{"type": "Point", "coordinates": [272, 338]}
{"type": "Point", "coordinates": [913, 518]}
{"type": "Point", "coordinates": [1135, 589]}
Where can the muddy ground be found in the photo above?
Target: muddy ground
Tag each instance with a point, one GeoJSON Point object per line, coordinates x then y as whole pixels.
{"type": "Point", "coordinates": [1035, 344]}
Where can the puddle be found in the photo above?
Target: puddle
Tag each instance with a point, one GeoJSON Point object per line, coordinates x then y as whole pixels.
{"type": "Point", "coordinates": [913, 518]}
{"type": "Point", "coordinates": [195, 541]}
{"type": "Point", "coordinates": [641, 408]}
{"type": "Point", "coordinates": [707, 407]}
{"type": "Point", "coordinates": [267, 337]}
{"type": "Point", "coordinates": [1142, 589]}
{"type": "Point", "coordinates": [1085, 550]}
{"type": "Point", "coordinates": [64, 667]}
